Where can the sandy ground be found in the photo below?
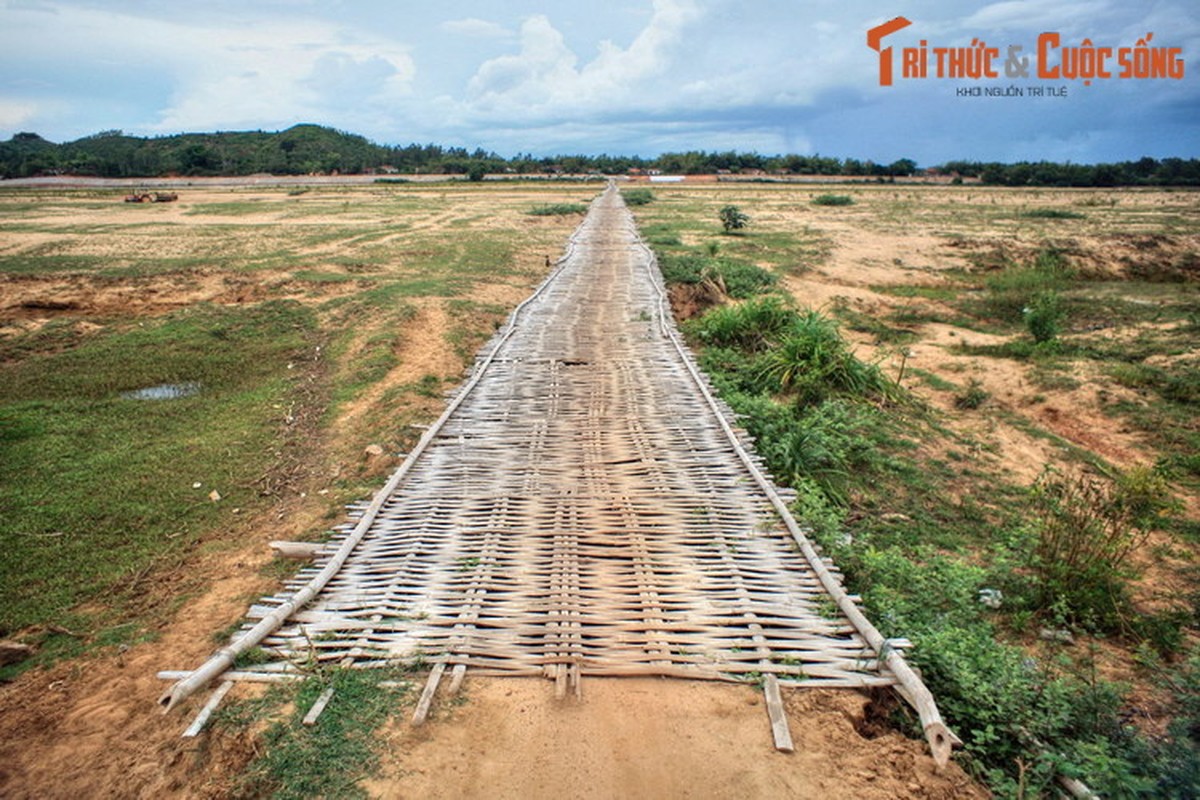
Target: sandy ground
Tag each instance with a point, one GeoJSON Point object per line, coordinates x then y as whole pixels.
{"type": "Point", "coordinates": [652, 738]}
{"type": "Point", "coordinates": [91, 728]}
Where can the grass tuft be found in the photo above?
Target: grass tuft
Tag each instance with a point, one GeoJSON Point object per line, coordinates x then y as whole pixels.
{"type": "Point", "coordinates": [557, 209]}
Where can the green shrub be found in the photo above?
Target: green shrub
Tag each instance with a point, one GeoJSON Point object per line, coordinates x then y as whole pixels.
{"type": "Point", "coordinates": [1086, 530]}
{"type": "Point", "coordinates": [732, 218]}
{"type": "Point", "coordinates": [833, 200]}
{"type": "Point", "coordinates": [557, 209]}
{"type": "Point", "coordinates": [1144, 494]}
{"type": "Point", "coordinates": [637, 197]}
{"type": "Point", "coordinates": [751, 326]}
{"type": "Point", "coordinates": [1174, 761]}
{"type": "Point", "coordinates": [1044, 316]}
{"type": "Point", "coordinates": [973, 396]}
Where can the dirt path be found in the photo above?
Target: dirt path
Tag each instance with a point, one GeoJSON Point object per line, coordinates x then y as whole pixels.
{"type": "Point", "coordinates": [654, 738]}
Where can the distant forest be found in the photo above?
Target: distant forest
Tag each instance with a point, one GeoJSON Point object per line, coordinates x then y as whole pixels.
{"type": "Point", "coordinates": [313, 149]}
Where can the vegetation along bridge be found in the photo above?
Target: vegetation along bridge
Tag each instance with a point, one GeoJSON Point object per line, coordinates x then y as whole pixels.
{"type": "Point", "coordinates": [583, 507]}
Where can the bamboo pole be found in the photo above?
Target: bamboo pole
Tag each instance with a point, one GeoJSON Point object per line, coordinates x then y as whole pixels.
{"type": "Point", "coordinates": [207, 710]}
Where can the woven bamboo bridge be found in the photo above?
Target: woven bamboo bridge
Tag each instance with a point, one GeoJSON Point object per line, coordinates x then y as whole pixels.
{"type": "Point", "coordinates": [583, 507]}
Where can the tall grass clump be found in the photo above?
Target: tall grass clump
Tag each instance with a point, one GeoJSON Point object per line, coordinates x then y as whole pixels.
{"type": "Point", "coordinates": [1014, 289]}
{"type": "Point", "coordinates": [813, 361]}
{"type": "Point", "coordinates": [637, 197]}
{"type": "Point", "coordinates": [557, 209]}
{"type": "Point", "coordinates": [833, 200]}
{"type": "Point", "coordinates": [751, 326]}
{"type": "Point", "coordinates": [1087, 527]}
{"type": "Point", "coordinates": [734, 278]}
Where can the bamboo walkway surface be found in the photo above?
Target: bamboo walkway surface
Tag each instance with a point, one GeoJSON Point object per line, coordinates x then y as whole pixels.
{"type": "Point", "coordinates": [583, 507]}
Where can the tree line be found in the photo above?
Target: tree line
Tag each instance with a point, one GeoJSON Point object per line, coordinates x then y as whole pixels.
{"type": "Point", "coordinates": [313, 149]}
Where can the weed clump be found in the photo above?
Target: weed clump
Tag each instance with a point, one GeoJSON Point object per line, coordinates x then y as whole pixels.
{"type": "Point", "coordinates": [1085, 533]}
{"type": "Point", "coordinates": [557, 209]}
{"type": "Point", "coordinates": [637, 197]}
{"type": "Point", "coordinates": [1044, 316]}
{"type": "Point", "coordinates": [833, 200]}
{"type": "Point", "coordinates": [737, 279]}
{"type": "Point", "coordinates": [1052, 213]}
{"type": "Point", "coordinates": [1086, 529]}
{"type": "Point", "coordinates": [732, 219]}
{"type": "Point", "coordinates": [972, 397]}
{"type": "Point", "coordinates": [1013, 290]}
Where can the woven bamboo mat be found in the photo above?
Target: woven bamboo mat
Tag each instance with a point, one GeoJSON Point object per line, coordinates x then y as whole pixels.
{"type": "Point", "coordinates": [581, 512]}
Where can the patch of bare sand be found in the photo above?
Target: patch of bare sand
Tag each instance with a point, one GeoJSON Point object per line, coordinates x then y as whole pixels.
{"type": "Point", "coordinates": [653, 738]}
{"type": "Point", "coordinates": [26, 297]}
{"type": "Point", "coordinates": [92, 728]}
{"type": "Point", "coordinates": [1076, 415]}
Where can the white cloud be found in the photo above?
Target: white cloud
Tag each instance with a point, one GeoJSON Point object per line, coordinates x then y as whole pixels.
{"type": "Point", "coordinates": [1033, 15]}
{"type": "Point", "coordinates": [543, 63]}
{"type": "Point", "coordinates": [242, 71]}
{"type": "Point", "coordinates": [476, 28]}
{"type": "Point", "coordinates": [544, 76]}
{"type": "Point", "coordinates": [15, 113]}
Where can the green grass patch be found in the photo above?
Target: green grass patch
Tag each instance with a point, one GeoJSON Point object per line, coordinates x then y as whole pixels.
{"type": "Point", "coordinates": [35, 262]}
{"type": "Point", "coordinates": [557, 209]}
{"type": "Point", "coordinates": [869, 324]}
{"type": "Point", "coordinates": [329, 759]}
{"type": "Point", "coordinates": [1012, 291]}
{"type": "Point", "coordinates": [100, 487]}
{"type": "Point", "coordinates": [1052, 213]}
{"type": "Point", "coordinates": [637, 197]}
{"type": "Point", "coordinates": [738, 279]}
{"type": "Point", "coordinates": [833, 200]}
{"type": "Point", "coordinates": [943, 294]}
{"type": "Point", "coordinates": [235, 208]}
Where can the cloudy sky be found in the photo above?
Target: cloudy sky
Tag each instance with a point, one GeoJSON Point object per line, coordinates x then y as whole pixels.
{"type": "Point", "coordinates": [594, 76]}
